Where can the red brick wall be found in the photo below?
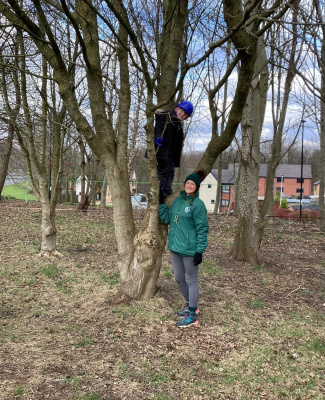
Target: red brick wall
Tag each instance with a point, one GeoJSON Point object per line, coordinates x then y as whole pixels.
{"type": "Point", "coordinates": [261, 187]}
{"type": "Point", "coordinates": [290, 186]}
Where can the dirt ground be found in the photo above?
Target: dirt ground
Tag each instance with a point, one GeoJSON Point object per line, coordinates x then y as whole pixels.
{"type": "Point", "coordinates": [67, 333]}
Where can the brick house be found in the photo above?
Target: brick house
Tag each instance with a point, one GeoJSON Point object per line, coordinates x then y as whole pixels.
{"type": "Point", "coordinates": [287, 178]}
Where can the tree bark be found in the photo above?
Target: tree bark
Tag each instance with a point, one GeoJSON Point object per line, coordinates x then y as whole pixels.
{"type": "Point", "coordinates": [250, 224]}
{"type": "Point", "coordinates": [321, 198]}
{"type": "Point", "coordinates": [279, 121]}
{"type": "Point", "coordinates": [103, 194]}
{"type": "Point", "coordinates": [13, 112]}
{"type": "Point", "coordinates": [6, 157]}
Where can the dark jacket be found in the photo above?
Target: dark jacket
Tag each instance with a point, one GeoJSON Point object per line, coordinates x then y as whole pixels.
{"type": "Point", "coordinates": [189, 235]}
{"type": "Point", "coordinates": [173, 136]}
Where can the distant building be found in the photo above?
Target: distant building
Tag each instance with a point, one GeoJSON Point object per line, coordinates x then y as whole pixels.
{"type": "Point", "coordinates": [316, 188]}
{"type": "Point", "coordinates": [208, 189]}
{"type": "Point", "coordinates": [133, 187]}
{"type": "Point", "coordinates": [287, 179]}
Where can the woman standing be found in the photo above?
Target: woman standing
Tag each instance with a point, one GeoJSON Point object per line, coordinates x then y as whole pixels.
{"type": "Point", "coordinates": [187, 240]}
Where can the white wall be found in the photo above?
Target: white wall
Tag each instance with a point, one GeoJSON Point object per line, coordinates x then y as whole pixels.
{"type": "Point", "coordinates": [207, 194]}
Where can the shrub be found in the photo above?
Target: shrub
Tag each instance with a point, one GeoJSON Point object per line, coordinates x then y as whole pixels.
{"type": "Point", "coordinates": [277, 197]}
{"type": "Point", "coordinates": [284, 204]}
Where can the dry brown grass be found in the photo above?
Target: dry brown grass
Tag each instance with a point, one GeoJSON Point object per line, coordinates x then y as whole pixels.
{"type": "Point", "coordinates": [66, 333]}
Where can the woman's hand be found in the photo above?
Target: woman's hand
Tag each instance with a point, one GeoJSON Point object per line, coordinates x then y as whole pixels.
{"type": "Point", "coordinates": [197, 259]}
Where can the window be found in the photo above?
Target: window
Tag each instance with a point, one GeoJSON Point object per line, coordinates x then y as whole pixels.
{"type": "Point", "coordinates": [280, 179]}
{"type": "Point", "coordinates": [299, 180]}
{"type": "Point", "coordinates": [212, 201]}
{"type": "Point", "coordinates": [299, 190]}
{"type": "Point", "coordinates": [278, 189]}
{"type": "Point", "coordinates": [225, 189]}
{"type": "Point", "coordinates": [209, 186]}
{"type": "Point", "coordinates": [224, 203]}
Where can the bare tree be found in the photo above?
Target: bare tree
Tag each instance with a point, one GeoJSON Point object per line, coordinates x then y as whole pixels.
{"type": "Point", "coordinates": [40, 136]}
{"type": "Point", "coordinates": [248, 239]}
{"type": "Point", "coordinates": [14, 110]}
{"type": "Point", "coordinates": [321, 62]}
{"type": "Point", "coordinates": [252, 218]}
{"type": "Point", "coordinates": [139, 252]}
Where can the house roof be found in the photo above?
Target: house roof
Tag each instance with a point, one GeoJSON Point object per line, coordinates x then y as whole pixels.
{"type": "Point", "coordinates": [228, 176]}
{"type": "Point", "coordinates": [288, 171]}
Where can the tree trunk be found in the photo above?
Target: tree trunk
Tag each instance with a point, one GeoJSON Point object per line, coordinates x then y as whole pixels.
{"type": "Point", "coordinates": [71, 192]}
{"type": "Point", "coordinates": [279, 121]}
{"type": "Point", "coordinates": [219, 187]}
{"type": "Point", "coordinates": [48, 228]}
{"type": "Point", "coordinates": [177, 176]}
{"type": "Point", "coordinates": [321, 197]}
{"type": "Point", "coordinates": [213, 112]}
{"type": "Point", "coordinates": [250, 224]}
{"type": "Point", "coordinates": [236, 190]}
{"type": "Point", "coordinates": [139, 274]}
{"type": "Point", "coordinates": [103, 193]}
{"type": "Point", "coordinates": [12, 113]}
{"type": "Point", "coordinates": [6, 157]}
{"type": "Point", "coordinates": [83, 200]}
{"type": "Point", "coordinates": [321, 206]}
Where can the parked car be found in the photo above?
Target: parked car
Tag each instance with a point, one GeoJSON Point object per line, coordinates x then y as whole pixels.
{"type": "Point", "coordinates": [137, 203]}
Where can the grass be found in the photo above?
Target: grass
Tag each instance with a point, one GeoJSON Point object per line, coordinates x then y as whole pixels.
{"type": "Point", "coordinates": [18, 391]}
{"type": "Point", "coordinates": [52, 271]}
{"type": "Point", "coordinates": [84, 343]}
{"type": "Point", "coordinates": [18, 191]}
{"type": "Point", "coordinates": [257, 303]}
{"type": "Point", "coordinates": [66, 330]}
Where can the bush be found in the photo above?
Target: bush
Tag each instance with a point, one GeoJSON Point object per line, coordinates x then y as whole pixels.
{"type": "Point", "coordinates": [284, 204]}
{"type": "Point", "coordinates": [277, 197]}
{"type": "Point", "coordinates": [8, 197]}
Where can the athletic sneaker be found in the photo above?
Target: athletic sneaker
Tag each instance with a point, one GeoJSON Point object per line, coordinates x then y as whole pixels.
{"type": "Point", "coordinates": [186, 310]}
{"type": "Point", "coordinates": [189, 319]}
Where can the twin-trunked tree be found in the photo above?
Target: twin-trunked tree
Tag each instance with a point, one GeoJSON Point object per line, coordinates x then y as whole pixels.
{"type": "Point", "coordinates": [149, 39]}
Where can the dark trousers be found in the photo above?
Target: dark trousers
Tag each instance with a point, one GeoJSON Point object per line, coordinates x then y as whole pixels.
{"type": "Point", "coordinates": [165, 169]}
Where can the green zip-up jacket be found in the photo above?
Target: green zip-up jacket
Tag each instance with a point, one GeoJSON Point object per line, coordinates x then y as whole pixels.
{"type": "Point", "coordinates": [189, 235]}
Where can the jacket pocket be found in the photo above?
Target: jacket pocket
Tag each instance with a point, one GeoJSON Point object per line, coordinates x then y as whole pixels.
{"type": "Point", "coordinates": [191, 239]}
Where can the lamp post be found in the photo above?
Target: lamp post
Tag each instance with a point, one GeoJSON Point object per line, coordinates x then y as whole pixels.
{"type": "Point", "coordinates": [302, 162]}
{"type": "Point", "coordinates": [281, 189]}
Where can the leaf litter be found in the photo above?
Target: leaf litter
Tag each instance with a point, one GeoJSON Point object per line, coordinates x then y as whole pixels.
{"type": "Point", "coordinates": [67, 333]}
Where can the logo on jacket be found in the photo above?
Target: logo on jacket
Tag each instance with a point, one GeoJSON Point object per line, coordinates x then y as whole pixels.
{"type": "Point", "coordinates": [187, 209]}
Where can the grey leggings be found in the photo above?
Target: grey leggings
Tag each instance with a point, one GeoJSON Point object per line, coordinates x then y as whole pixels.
{"type": "Point", "coordinates": [189, 287]}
